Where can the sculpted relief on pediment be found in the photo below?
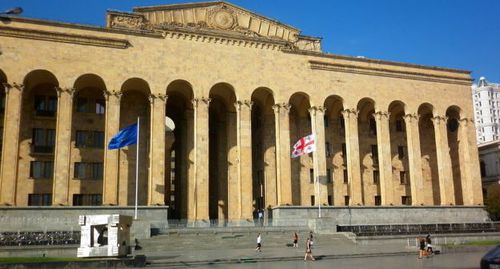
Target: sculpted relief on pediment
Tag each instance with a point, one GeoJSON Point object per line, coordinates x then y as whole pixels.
{"type": "Point", "coordinates": [218, 16]}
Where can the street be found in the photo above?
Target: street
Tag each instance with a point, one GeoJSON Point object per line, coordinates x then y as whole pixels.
{"type": "Point", "coordinates": [443, 261]}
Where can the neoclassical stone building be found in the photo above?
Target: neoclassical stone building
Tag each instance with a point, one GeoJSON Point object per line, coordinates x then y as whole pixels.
{"type": "Point", "coordinates": [240, 89]}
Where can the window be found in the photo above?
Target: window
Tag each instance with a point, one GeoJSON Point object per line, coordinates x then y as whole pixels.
{"type": "Point", "coordinates": [402, 178]}
{"type": "Point", "coordinates": [373, 126]}
{"type": "Point", "coordinates": [406, 200]}
{"type": "Point", "coordinates": [399, 125]}
{"type": "Point", "coordinates": [43, 140]}
{"type": "Point", "coordinates": [311, 175]}
{"type": "Point", "coordinates": [89, 139]}
{"type": "Point", "coordinates": [378, 200]}
{"type": "Point", "coordinates": [328, 176]}
{"type": "Point", "coordinates": [87, 199]}
{"type": "Point", "coordinates": [346, 200]}
{"type": "Point", "coordinates": [375, 154]}
{"type": "Point", "coordinates": [41, 169]}
{"type": "Point", "coordinates": [344, 151]}
{"type": "Point", "coordinates": [326, 121]}
{"type": "Point", "coordinates": [82, 105]}
{"type": "Point", "coordinates": [327, 149]}
{"type": "Point", "coordinates": [401, 152]}
{"type": "Point", "coordinates": [100, 106]}
{"type": "Point", "coordinates": [376, 177]}
{"type": "Point", "coordinates": [45, 106]}
{"type": "Point", "coordinates": [88, 170]}
{"type": "Point", "coordinates": [312, 200]}
{"type": "Point", "coordinates": [329, 200]}
{"type": "Point", "coordinates": [346, 179]}
{"type": "Point", "coordinates": [39, 199]}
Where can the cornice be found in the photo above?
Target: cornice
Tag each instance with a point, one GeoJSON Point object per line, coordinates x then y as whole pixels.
{"type": "Point", "coordinates": [64, 37]}
{"type": "Point", "coordinates": [376, 61]}
{"type": "Point", "coordinates": [219, 37]}
{"type": "Point", "coordinates": [380, 71]}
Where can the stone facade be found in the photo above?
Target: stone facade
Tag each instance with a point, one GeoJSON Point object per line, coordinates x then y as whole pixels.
{"type": "Point", "coordinates": [241, 89]}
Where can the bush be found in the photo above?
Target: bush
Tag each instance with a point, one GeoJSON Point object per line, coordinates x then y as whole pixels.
{"type": "Point", "coordinates": [492, 202]}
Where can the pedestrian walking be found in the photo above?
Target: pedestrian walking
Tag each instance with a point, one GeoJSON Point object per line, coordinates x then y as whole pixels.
{"type": "Point", "coordinates": [421, 247]}
{"type": "Point", "coordinates": [259, 243]}
{"type": "Point", "coordinates": [260, 215]}
{"type": "Point", "coordinates": [311, 238]}
{"type": "Point", "coordinates": [308, 250]}
{"type": "Point", "coordinates": [295, 240]}
{"type": "Point", "coordinates": [428, 243]}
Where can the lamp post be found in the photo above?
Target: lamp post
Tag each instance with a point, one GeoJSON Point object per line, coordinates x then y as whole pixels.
{"type": "Point", "coordinates": [12, 11]}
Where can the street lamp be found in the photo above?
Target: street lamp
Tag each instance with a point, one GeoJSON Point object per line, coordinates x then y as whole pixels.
{"type": "Point", "coordinates": [12, 11]}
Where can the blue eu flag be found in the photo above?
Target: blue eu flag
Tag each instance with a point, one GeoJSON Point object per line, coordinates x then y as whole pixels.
{"type": "Point", "coordinates": [126, 136]}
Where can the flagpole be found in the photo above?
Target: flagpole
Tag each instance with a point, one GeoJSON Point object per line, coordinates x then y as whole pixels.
{"type": "Point", "coordinates": [315, 163]}
{"type": "Point", "coordinates": [137, 167]}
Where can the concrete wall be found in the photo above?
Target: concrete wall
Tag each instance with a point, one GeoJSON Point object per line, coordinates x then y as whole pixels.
{"type": "Point", "coordinates": [66, 219]}
{"type": "Point", "coordinates": [331, 216]}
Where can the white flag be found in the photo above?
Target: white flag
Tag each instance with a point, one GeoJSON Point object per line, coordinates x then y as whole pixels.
{"type": "Point", "coordinates": [305, 145]}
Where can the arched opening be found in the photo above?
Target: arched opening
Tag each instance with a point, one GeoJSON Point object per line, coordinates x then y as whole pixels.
{"type": "Point", "coordinates": [87, 141]}
{"type": "Point", "coordinates": [263, 149]}
{"type": "Point", "coordinates": [223, 159]}
{"type": "Point", "coordinates": [178, 146]}
{"type": "Point", "coordinates": [303, 192]}
{"type": "Point", "coordinates": [368, 153]}
{"type": "Point", "coordinates": [37, 139]}
{"type": "Point", "coordinates": [429, 158]}
{"type": "Point", "coordinates": [134, 105]}
{"type": "Point", "coordinates": [335, 149]}
{"type": "Point", "coordinates": [452, 126]}
{"type": "Point", "coordinates": [399, 153]}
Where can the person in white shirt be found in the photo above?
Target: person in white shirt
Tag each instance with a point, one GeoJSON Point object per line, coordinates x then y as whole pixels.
{"type": "Point", "coordinates": [259, 243]}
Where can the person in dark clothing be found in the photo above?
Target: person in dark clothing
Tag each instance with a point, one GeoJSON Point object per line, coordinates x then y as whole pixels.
{"type": "Point", "coordinates": [421, 252]}
{"type": "Point", "coordinates": [428, 243]}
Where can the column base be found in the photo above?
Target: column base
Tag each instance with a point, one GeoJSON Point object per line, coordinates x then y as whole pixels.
{"type": "Point", "coordinates": [198, 223]}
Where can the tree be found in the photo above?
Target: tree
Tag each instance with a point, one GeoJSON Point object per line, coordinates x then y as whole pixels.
{"type": "Point", "coordinates": [493, 202]}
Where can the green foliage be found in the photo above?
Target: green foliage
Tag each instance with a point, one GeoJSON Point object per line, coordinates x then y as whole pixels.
{"type": "Point", "coordinates": [493, 202]}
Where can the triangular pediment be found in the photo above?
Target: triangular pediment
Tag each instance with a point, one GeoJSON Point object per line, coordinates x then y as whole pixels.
{"type": "Point", "coordinates": [216, 16]}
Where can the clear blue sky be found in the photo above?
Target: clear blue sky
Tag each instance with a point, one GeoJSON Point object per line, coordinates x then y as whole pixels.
{"type": "Point", "coordinates": [462, 34]}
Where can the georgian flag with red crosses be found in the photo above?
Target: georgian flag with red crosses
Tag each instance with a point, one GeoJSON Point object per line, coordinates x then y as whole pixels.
{"type": "Point", "coordinates": [305, 145]}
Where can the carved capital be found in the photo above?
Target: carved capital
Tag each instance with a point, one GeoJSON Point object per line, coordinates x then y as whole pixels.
{"type": "Point", "coordinates": [200, 101]}
{"type": "Point", "coordinates": [14, 85]}
{"type": "Point", "coordinates": [284, 107]}
{"type": "Point", "coordinates": [465, 121]}
{"type": "Point", "coordinates": [115, 94]}
{"type": "Point", "coordinates": [350, 112]}
{"type": "Point", "coordinates": [160, 97]}
{"type": "Point", "coordinates": [437, 120]}
{"type": "Point", "coordinates": [60, 91]}
{"type": "Point", "coordinates": [245, 103]}
{"type": "Point", "coordinates": [316, 109]}
{"type": "Point", "coordinates": [411, 117]}
{"type": "Point", "coordinates": [381, 115]}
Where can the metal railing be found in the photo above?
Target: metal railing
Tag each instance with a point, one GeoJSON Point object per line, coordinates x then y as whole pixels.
{"type": "Point", "coordinates": [39, 238]}
{"type": "Point", "coordinates": [415, 229]}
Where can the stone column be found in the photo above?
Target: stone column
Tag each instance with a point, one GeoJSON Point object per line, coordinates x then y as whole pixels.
{"type": "Point", "coordinates": [283, 164]}
{"type": "Point", "coordinates": [62, 152]}
{"type": "Point", "coordinates": [111, 165]}
{"type": "Point", "coordinates": [244, 141]}
{"type": "Point", "coordinates": [353, 161]}
{"type": "Point", "coordinates": [384, 157]}
{"type": "Point", "coordinates": [318, 128]}
{"type": "Point", "coordinates": [200, 193]}
{"type": "Point", "coordinates": [447, 191]}
{"type": "Point", "coordinates": [414, 159]}
{"type": "Point", "coordinates": [156, 184]}
{"type": "Point", "coordinates": [469, 161]}
{"type": "Point", "coordinates": [10, 147]}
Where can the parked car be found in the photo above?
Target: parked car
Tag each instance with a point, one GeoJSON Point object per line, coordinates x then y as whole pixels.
{"type": "Point", "coordinates": [491, 260]}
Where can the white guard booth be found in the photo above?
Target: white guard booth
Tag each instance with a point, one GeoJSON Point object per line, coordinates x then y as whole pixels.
{"type": "Point", "coordinates": [104, 235]}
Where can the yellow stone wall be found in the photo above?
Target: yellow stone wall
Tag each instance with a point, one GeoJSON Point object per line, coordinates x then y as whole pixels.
{"type": "Point", "coordinates": [141, 65]}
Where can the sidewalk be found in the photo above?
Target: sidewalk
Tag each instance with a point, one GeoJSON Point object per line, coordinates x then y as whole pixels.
{"type": "Point", "coordinates": [183, 251]}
